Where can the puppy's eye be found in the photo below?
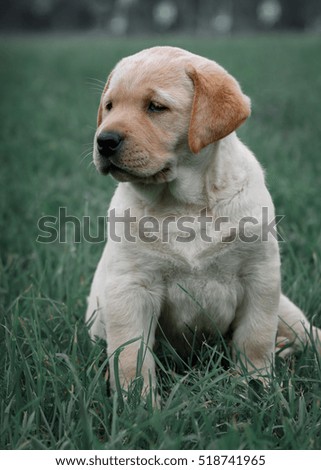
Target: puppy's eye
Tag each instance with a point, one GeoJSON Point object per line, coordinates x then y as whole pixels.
{"type": "Point", "coordinates": [109, 106]}
{"type": "Point", "coordinates": [156, 107]}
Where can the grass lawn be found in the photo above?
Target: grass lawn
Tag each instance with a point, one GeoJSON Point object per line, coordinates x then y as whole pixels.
{"type": "Point", "coordinates": [53, 392]}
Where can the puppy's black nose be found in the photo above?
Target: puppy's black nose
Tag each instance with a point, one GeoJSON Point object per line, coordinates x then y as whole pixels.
{"type": "Point", "coordinates": [108, 143]}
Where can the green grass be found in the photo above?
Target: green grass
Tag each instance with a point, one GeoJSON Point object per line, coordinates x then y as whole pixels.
{"type": "Point", "coordinates": [53, 392]}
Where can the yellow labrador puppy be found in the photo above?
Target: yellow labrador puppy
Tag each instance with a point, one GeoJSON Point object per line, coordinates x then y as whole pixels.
{"type": "Point", "coordinates": [192, 249]}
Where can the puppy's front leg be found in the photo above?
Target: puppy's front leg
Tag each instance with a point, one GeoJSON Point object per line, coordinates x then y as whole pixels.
{"type": "Point", "coordinates": [256, 323]}
{"type": "Point", "coordinates": [133, 307]}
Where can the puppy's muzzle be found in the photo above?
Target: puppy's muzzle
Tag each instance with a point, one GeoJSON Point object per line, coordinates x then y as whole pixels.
{"type": "Point", "coordinates": [109, 143]}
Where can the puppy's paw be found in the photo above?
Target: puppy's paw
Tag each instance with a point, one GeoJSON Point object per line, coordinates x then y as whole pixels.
{"type": "Point", "coordinates": [284, 347]}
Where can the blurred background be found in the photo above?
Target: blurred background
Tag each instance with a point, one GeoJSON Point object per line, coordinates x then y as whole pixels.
{"type": "Point", "coordinates": [139, 17]}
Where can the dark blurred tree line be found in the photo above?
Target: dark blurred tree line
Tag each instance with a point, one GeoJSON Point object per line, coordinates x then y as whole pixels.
{"type": "Point", "coordinates": [125, 17]}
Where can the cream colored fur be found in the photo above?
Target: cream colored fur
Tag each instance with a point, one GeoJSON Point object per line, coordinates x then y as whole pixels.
{"type": "Point", "coordinates": [141, 290]}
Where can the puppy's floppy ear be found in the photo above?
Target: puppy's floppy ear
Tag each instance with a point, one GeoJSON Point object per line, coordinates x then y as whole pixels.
{"type": "Point", "coordinates": [101, 104]}
{"type": "Point", "coordinates": [219, 106]}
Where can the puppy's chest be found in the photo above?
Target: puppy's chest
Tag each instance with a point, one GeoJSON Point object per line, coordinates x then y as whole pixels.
{"type": "Point", "coordinates": [199, 301]}
{"type": "Point", "coordinates": [190, 238]}
{"type": "Point", "coordinates": [200, 272]}
{"type": "Point", "coordinates": [190, 245]}
{"type": "Point", "coordinates": [212, 282]}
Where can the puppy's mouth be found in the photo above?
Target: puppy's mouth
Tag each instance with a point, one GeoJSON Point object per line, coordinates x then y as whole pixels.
{"type": "Point", "coordinates": [127, 175]}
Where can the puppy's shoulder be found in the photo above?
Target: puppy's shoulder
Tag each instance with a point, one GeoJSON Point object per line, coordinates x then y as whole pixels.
{"type": "Point", "coordinates": [236, 184]}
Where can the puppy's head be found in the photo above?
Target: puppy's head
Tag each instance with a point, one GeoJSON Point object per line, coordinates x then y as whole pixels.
{"type": "Point", "coordinates": [159, 105]}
